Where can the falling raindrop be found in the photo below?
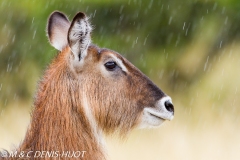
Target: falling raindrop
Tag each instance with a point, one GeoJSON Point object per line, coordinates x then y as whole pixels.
{"type": "Point", "coordinates": [177, 41]}
{"type": "Point", "coordinates": [236, 90]}
{"type": "Point", "coordinates": [1, 48]}
{"type": "Point", "coordinates": [9, 67]}
{"type": "Point", "coordinates": [186, 32]}
{"type": "Point", "coordinates": [1, 113]}
{"type": "Point", "coordinates": [222, 72]}
{"type": "Point", "coordinates": [223, 10]}
{"type": "Point", "coordinates": [87, 8]}
{"type": "Point", "coordinates": [13, 39]}
{"type": "Point", "coordinates": [160, 74]}
{"type": "Point", "coordinates": [226, 20]}
{"type": "Point", "coordinates": [120, 19]}
{"type": "Point", "coordinates": [170, 20]}
{"type": "Point", "coordinates": [220, 45]}
{"type": "Point", "coordinates": [166, 56]}
{"type": "Point", "coordinates": [206, 63]}
{"type": "Point", "coordinates": [145, 40]}
{"type": "Point", "coordinates": [172, 73]}
{"type": "Point", "coordinates": [95, 11]}
{"type": "Point", "coordinates": [136, 40]}
{"type": "Point", "coordinates": [150, 4]}
{"type": "Point", "coordinates": [34, 34]}
{"type": "Point", "coordinates": [215, 6]}
{"type": "Point", "coordinates": [121, 9]}
{"type": "Point", "coordinates": [5, 103]}
{"type": "Point", "coordinates": [190, 110]}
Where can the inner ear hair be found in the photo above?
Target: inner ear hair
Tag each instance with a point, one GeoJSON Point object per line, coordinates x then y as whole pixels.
{"type": "Point", "coordinates": [79, 35]}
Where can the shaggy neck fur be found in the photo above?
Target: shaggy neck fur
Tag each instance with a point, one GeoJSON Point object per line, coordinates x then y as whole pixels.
{"type": "Point", "coordinates": [59, 120]}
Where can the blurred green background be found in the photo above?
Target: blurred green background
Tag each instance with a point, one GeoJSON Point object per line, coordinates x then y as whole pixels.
{"type": "Point", "coordinates": [190, 49]}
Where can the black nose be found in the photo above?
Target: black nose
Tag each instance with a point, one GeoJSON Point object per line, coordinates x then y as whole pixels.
{"type": "Point", "coordinates": [169, 106]}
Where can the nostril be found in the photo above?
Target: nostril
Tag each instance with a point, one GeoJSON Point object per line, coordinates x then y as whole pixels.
{"type": "Point", "coordinates": [169, 106]}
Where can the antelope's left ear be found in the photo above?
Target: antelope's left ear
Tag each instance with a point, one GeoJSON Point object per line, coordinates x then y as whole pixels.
{"type": "Point", "coordinates": [79, 36]}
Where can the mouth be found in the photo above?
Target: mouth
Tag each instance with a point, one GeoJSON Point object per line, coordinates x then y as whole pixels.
{"type": "Point", "coordinates": [159, 115]}
{"type": "Point", "coordinates": [153, 115]}
{"type": "Point", "coordinates": [154, 118]}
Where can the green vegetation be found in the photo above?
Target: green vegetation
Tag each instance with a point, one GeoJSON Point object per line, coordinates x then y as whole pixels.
{"type": "Point", "coordinates": [154, 35]}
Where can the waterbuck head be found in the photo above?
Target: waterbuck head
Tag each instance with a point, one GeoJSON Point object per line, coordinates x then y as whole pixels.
{"type": "Point", "coordinates": [111, 92]}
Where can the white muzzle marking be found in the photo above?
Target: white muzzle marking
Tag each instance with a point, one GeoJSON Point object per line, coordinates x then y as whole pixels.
{"type": "Point", "coordinates": [155, 116]}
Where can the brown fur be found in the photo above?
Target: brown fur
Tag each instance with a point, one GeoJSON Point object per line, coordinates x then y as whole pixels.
{"type": "Point", "coordinates": [59, 121]}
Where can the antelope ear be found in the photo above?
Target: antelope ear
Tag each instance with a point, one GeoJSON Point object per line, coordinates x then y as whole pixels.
{"type": "Point", "coordinates": [57, 30]}
{"type": "Point", "coordinates": [79, 36]}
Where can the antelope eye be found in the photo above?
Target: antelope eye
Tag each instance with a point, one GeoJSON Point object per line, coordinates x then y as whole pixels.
{"type": "Point", "coordinates": [110, 65]}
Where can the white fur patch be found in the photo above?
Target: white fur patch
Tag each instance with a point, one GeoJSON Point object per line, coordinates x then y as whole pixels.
{"type": "Point", "coordinates": [119, 63]}
{"type": "Point", "coordinates": [155, 116]}
{"type": "Point", "coordinates": [148, 121]}
{"type": "Point", "coordinates": [96, 131]}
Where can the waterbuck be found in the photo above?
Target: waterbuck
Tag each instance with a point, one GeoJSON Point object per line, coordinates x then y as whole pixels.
{"type": "Point", "coordinates": [88, 91]}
